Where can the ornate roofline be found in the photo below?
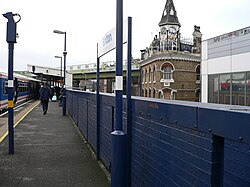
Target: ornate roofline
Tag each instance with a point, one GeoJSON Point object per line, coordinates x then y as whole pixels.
{"type": "Point", "coordinates": [171, 55]}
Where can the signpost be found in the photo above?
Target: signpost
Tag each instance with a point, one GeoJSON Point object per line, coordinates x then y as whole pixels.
{"type": "Point", "coordinates": [111, 40]}
{"type": "Point", "coordinates": [11, 39]}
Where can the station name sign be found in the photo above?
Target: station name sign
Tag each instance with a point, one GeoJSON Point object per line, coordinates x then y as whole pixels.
{"type": "Point", "coordinates": [230, 35]}
{"type": "Point", "coordinates": [108, 42]}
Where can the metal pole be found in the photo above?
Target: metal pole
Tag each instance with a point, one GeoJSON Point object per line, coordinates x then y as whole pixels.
{"type": "Point", "coordinates": [10, 99]}
{"type": "Point", "coordinates": [98, 107]}
{"type": "Point", "coordinates": [11, 39]}
{"type": "Point", "coordinates": [119, 61]}
{"type": "Point", "coordinates": [61, 68]}
{"type": "Point", "coordinates": [129, 108]}
{"type": "Point", "coordinates": [118, 170]}
{"type": "Point", "coordinates": [64, 76]}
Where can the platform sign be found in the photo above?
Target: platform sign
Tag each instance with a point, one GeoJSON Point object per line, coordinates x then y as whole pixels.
{"type": "Point", "coordinates": [108, 42]}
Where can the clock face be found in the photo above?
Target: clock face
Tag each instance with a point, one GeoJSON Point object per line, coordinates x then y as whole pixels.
{"type": "Point", "coordinates": [163, 30]}
{"type": "Point", "coordinates": [172, 30]}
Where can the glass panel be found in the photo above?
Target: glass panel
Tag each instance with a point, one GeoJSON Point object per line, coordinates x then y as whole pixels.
{"type": "Point", "coordinates": [154, 74]}
{"type": "Point", "coordinates": [5, 87]}
{"type": "Point", "coordinates": [238, 89]}
{"type": "Point", "coordinates": [142, 76]}
{"type": "Point", "coordinates": [213, 89]}
{"type": "Point", "coordinates": [248, 88]}
{"type": "Point", "coordinates": [149, 73]}
{"type": "Point", "coordinates": [198, 73]}
{"type": "Point", "coordinates": [167, 72]}
{"type": "Point", "coordinates": [225, 84]}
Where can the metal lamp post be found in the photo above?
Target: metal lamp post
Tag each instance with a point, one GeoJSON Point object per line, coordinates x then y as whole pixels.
{"type": "Point", "coordinates": [61, 64]}
{"type": "Point", "coordinates": [64, 72]}
{"type": "Point", "coordinates": [11, 40]}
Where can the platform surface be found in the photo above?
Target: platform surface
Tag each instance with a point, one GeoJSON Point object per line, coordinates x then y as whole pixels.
{"type": "Point", "coordinates": [49, 151]}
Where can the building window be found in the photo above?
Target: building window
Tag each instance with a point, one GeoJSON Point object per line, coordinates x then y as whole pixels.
{"type": "Point", "coordinates": [146, 93]}
{"type": "Point", "coordinates": [233, 89]}
{"type": "Point", "coordinates": [238, 88]}
{"type": "Point", "coordinates": [197, 73]}
{"type": "Point", "coordinates": [213, 89]}
{"type": "Point", "coordinates": [154, 91]}
{"type": "Point", "coordinates": [167, 72]}
{"type": "Point", "coordinates": [142, 92]}
{"type": "Point", "coordinates": [146, 75]}
{"type": "Point", "coordinates": [160, 94]}
{"type": "Point", "coordinates": [142, 76]}
{"type": "Point", "coordinates": [149, 92]}
{"type": "Point", "coordinates": [248, 88]}
{"type": "Point", "coordinates": [149, 75]}
{"type": "Point", "coordinates": [154, 74]}
{"type": "Point", "coordinates": [225, 86]}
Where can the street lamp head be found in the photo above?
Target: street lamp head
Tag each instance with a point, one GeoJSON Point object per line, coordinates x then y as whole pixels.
{"type": "Point", "coordinates": [58, 57]}
{"type": "Point", "coordinates": [59, 32]}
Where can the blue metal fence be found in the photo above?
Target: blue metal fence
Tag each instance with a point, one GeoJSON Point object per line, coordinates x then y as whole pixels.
{"type": "Point", "coordinates": [173, 143]}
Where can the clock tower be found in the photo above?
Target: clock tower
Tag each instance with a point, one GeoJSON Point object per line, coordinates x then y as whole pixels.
{"type": "Point", "coordinates": [169, 27]}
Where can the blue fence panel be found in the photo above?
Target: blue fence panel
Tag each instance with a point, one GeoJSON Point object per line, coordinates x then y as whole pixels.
{"type": "Point", "coordinates": [173, 143]}
{"type": "Point", "coordinates": [106, 127]}
{"type": "Point", "coordinates": [237, 164]}
{"type": "Point", "coordinates": [83, 116]}
{"type": "Point", "coordinates": [92, 130]}
{"type": "Point", "coordinates": [166, 151]}
{"type": "Point", "coordinates": [75, 107]}
{"type": "Point", "coordinates": [69, 103]}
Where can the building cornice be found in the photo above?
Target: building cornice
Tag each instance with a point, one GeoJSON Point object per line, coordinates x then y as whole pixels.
{"type": "Point", "coordinates": [171, 55]}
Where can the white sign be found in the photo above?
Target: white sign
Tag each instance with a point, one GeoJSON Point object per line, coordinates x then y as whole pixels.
{"type": "Point", "coordinates": [108, 42]}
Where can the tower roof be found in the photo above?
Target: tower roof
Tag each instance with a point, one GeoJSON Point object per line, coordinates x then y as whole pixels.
{"type": "Point", "coordinates": [169, 15]}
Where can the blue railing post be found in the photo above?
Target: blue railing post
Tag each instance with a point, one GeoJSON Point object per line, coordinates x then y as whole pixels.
{"type": "Point", "coordinates": [11, 39]}
{"type": "Point", "coordinates": [129, 108]}
{"type": "Point", "coordinates": [64, 76]}
{"type": "Point", "coordinates": [98, 108]}
{"type": "Point", "coordinates": [118, 167]}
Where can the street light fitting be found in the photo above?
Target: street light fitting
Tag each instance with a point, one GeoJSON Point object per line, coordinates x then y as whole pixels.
{"type": "Point", "coordinates": [58, 57]}
{"type": "Point", "coordinates": [59, 32]}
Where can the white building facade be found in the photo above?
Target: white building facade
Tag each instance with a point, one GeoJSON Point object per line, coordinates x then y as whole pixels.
{"type": "Point", "coordinates": [225, 68]}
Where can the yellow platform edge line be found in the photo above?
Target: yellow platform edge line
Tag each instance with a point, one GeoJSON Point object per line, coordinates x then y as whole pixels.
{"type": "Point", "coordinates": [6, 133]}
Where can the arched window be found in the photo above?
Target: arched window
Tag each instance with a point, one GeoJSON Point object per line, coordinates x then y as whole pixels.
{"type": "Point", "coordinates": [154, 74]}
{"type": "Point", "coordinates": [142, 76]}
{"type": "Point", "coordinates": [146, 76]}
{"type": "Point", "coordinates": [149, 75]}
{"type": "Point", "coordinates": [197, 73]}
{"type": "Point", "coordinates": [168, 72]}
{"type": "Point", "coordinates": [149, 92]}
{"type": "Point", "coordinates": [154, 93]}
{"type": "Point", "coordinates": [146, 93]}
{"type": "Point", "coordinates": [160, 94]}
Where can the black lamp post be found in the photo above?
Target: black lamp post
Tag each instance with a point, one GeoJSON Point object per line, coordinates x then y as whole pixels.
{"type": "Point", "coordinates": [64, 72]}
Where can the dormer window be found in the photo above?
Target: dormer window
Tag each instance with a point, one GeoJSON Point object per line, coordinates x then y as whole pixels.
{"type": "Point", "coordinates": [165, 12]}
{"type": "Point", "coordinates": [171, 12]}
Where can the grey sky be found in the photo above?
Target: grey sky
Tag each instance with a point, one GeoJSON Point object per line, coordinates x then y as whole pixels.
{"type": "Point", "coordinates": [86, 22]}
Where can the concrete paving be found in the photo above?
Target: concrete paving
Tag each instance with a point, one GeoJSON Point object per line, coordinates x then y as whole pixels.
{"type": "Point", "coordinates": [49, 151]}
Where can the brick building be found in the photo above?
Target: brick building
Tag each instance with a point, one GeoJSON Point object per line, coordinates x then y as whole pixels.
{"type": "Point", "coordinates": [170, 66]}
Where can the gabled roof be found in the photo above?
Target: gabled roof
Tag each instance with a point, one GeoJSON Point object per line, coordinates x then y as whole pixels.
{"type": "Point", "coordinates": [169, 15]}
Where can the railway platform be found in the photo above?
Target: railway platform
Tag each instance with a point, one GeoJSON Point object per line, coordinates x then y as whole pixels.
{"type": "Point", "coordinates": [49, 151]}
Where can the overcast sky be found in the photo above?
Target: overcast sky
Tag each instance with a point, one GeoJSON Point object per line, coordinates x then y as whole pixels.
{"type": "Point", "coordinates": [86, 22]}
